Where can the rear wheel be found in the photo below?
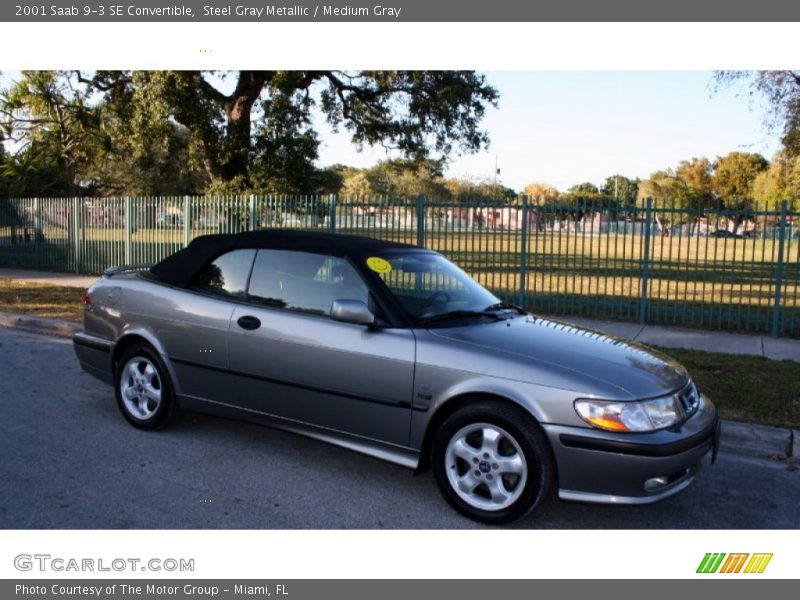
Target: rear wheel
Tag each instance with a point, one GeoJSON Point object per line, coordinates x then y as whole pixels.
{"type": "Point", "coordinates": [144, 391]}
{"type": "Point", "coordinates": [492, 462]}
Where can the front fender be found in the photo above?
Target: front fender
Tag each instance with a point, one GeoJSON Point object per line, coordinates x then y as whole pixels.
{"type": "Point", "coordinates": [448, 391]}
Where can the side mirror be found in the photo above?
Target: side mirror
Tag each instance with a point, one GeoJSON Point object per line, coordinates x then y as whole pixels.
{"type": "Point", "coordinates": [352, 311]}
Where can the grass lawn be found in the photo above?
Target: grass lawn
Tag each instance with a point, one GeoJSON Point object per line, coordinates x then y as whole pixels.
{"type": "Point", "coordinates": [746, 388]}
{"type": "Point", "coordinates": [42, 300]}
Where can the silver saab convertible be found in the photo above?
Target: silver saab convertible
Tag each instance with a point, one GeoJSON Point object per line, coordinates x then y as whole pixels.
{"type": "Point", "coordinates": [393, 351]}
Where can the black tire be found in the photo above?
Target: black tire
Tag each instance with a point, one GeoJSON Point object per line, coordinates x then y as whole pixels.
{"type": "Point", "coordinates": [143, 411]}
{"type": "Point", "coordinates": [521, 444]}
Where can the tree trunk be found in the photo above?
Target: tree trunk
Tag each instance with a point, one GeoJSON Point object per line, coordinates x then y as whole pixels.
{"type": "Point", "coordinates": [238, 107]}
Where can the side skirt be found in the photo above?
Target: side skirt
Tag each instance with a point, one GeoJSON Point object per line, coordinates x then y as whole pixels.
{"type": "Point", "coordinates": [405, 457]}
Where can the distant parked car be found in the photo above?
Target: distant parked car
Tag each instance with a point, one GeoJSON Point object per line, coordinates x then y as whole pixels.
{"type": "Point", "coordinates": [742, 234]}
{"type": "Point", "coordinates": [167, 218]}
{"type": "Point", "coordinates": [207, 221]}
{"type": "Point", "coordinates": [392, 350]}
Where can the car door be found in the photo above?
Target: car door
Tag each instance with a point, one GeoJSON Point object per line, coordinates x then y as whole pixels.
{"type": "Point", "coordinates": [193, 323]}
{"type": "Point", "coordinates": [290, 359]}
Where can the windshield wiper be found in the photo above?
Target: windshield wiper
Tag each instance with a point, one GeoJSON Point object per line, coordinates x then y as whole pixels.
{"type": "Point", "coordinates": [506, 306]}
{"type": "Point", "coordinates": [459, 314]}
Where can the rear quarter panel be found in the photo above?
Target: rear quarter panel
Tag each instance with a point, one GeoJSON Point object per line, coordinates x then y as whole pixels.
{"type": "Point", "coordinates": [182, 326]}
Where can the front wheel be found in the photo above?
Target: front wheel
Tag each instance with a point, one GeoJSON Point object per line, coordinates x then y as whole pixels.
{"type": "Point", "coordinates": [492, 462]}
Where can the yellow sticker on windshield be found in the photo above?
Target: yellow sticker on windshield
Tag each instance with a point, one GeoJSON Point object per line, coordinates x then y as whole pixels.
{"type": "Point", "coordinates": [379, 265]}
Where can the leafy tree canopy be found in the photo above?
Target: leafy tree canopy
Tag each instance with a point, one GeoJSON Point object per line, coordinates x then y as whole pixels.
{"type": "Point", "coordinates": [173, 132]}
{"type": "Point", "coordinates": [542, 193]}
{"type": "Point", "coordinates": [478, 191]}
{"type": "Point", "coordinates": [584, 189]}
{"type": "Point", "coordinates": [261, 133]}
{"type": "Point", "coordinates": [55, 129]}
{"type": "Point", "coordinates": [622, 189]}
{"type": "Point", "coordinates": [781, 89]}
{"type": "Point", "coordinates": [780, 181]}
{"type": "Point", "coordinates": [697, 175]}
{"type": "Point", "coordinates": [734, 175]}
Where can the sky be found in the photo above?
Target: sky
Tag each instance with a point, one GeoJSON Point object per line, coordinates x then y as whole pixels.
{"type": "Point", "coordinates": [568, 127]}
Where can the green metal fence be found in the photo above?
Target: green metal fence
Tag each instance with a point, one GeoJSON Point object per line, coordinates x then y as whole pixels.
{"type": "Point", "coordinates": [658, 264]}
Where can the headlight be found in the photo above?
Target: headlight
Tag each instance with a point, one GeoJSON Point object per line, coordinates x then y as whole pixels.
{"type": "Point", "coordinates": [644, 415]}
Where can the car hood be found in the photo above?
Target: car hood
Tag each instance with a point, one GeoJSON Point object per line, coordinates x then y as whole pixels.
{"type": "Point", "coordinates": [575, 354]}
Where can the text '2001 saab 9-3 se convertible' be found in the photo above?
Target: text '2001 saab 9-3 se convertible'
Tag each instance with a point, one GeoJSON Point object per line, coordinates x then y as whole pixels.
{"type": "Point", "coordinates": [393, 351]}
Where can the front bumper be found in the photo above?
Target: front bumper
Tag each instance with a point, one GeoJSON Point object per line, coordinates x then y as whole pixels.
{"type": "Point", "coordinates": [632, 468]}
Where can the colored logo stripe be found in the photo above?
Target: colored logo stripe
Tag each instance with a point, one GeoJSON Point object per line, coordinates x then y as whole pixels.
{"type": "Point", "coordinates": [758, 563]}
{"type": "Point", "coordinates": [733, 564]}
{"type": "Point", "coordinates": [710, 563]}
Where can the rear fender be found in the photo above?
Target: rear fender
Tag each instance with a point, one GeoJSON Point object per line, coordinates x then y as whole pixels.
{"type": "Point", "coordinates": [144, 334]}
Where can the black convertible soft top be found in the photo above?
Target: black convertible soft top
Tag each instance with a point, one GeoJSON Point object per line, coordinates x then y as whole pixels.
{"type": "Point", "coordinates": [181, 267]}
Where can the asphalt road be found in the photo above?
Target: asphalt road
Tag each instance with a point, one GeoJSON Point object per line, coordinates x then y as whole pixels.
{"type": "Point", "coordinates": [69, 460]}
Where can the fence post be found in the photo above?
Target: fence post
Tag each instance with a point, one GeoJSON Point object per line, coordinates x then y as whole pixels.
{"type": "Point", "coordinates": [252, 208]}
{"type": "Point", "coordinates": [332, 213]}
{"type": "Point", "coordinates": [776, 307]}
{"type": "Point", "coordinates": [645, 261]}
{"type": "Point", "coordinates": [128, 230]}
{"type": "Point", "coordinates": [37, 231]}
{"type": "Point", "coordinates": [421, 221]}
{"type": "Point", "coordinates": [187, 220]}
{"type": "Point", "coordinates": [76, 228]}
{"type": "Point", "coordinates": [523, 256]}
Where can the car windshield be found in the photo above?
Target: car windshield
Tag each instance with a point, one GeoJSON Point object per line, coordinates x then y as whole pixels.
{"type": "Point", "coordinates": [432, 289]}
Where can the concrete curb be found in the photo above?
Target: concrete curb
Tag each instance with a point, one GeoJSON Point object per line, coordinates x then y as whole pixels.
{"type": "Point", "coordinates": [56, 327]}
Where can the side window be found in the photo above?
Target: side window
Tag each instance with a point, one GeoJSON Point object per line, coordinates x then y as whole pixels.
{"type": "Point", "coordinates": [226, 275]}
{"type": "Point", "coordinates": [304, 281]}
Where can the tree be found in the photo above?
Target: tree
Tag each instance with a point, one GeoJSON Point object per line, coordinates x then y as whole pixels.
{"type": "Point", "coordinates": [782, 91]}
{"type": "Point", "coordinates": [697, 175]}
{"type": "Point", "coordinates": [356, 183]}
{"type": "Point", "coordinates": [160, 166]}
{"type": "Point", "coordinates": [417, 113]}
{"type": "Point", "coordinates": [733, 181]}
{"type": "Point", "coordinates": [284, 149]}
{"type": "Point", "coordinates": [478, 191]}
{"type": "Point", "coordinates": [583, 198]}
{"type": "Point", "coordinates": [409, 179]}
{"type": "Point", "coordinates": [687, 188]}
{"type": "Point", "coordinates": [541, 193]}
{"type": "Point", "coordinates": [780, 181]}
{"type": "Point", "coordinates": [584, 189]}
{"type": "Point", "coordinates": [665, 187]}
{"type": "Point", "coordinates": [56, 131]}
{"type": "Point", "coordinates": [734, 175]}
{"type": "Point", "coordinates": [621, 189]}
{"type": "Point", "coordinates": [4, 189]}
{"type": "Point", "coordinates": [327, 180]}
